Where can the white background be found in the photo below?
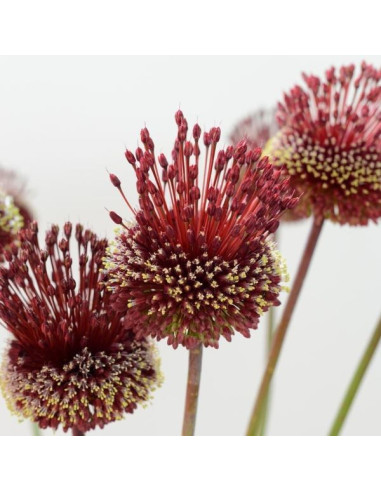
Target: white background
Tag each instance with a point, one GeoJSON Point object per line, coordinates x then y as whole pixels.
{"type": "Point", "coordinates": [64, 120]}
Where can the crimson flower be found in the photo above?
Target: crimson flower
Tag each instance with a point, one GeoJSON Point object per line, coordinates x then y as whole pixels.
{"type": "Point", "coordinates": [71, 361]}
{"type": "Point", "coordinates": [197, 264]}
{"type": "Point", "coordinates": [329, 143]}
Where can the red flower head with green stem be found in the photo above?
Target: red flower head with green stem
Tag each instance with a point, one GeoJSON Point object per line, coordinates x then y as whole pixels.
{"type": "Point", "coordinates": [197, 263]}
{"type": "Point", "coordinates": [329, 143]}
{"type": "Point", "coordinates": [72, 361]}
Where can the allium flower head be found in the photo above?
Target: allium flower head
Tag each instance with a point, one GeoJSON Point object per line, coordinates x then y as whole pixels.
{"type": "Point", "coordinates": [71, 361]}
{"type": "Point", "coordinates": [196, 264]}
{"type": "Point", "coordinates": [330, 144]}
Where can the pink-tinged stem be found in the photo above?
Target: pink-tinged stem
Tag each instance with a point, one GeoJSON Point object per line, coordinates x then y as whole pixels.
{"type": "Point", "coordinates": [253, 428]}
{"type": "Point", "coordinates": [193, 386]}
{"type": "Point", "coordinates": [77, 432]}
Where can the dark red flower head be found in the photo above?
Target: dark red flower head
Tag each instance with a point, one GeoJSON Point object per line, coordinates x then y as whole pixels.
{"type": "Point", "coordinates": [197, 265]}
{"type": "Point", "coordinates": [71, 361]}
{"type": "Point", "coordinates": [330, 144]}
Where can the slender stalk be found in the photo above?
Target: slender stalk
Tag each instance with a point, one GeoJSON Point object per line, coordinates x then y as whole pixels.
{"type": "Point", "coordinates": [77, 432]}
{"type": "Point", "coordinates": [283, 325]}
{"type": "Point", "coordinates": [266, 402]}
{"type": "Point", "coordinates": [269, 339]}
{"type": "Point", "coordinates": [35, 430]}
{"type": "Point", "coordinates": [356, 381]}
{"type": "Point", "coordinates": [193, 385]}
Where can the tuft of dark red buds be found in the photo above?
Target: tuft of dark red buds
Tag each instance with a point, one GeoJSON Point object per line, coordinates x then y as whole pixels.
{"type": "Point", "coordinates": [72, 360]}
{"type": "Point", "coordinates": [198, 264]}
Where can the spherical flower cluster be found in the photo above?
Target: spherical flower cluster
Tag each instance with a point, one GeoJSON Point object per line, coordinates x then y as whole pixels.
{"type": "Point", "coordinates": [71, 361]}
{"type": "Point", "coordinates": [197, 264]}
{"type": "Point", "coordinates": [330, 144]}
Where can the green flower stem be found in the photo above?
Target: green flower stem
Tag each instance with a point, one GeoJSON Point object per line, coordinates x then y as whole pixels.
{"type": "Point", "coordinates": [35, 430]}
{"type": "Point", "coordinates": [269, 339]}
{"type": "Point", "coordinates": [356, 381]}
{"type": "Point", "coordinates": [193, 386]}
{"type": "Point", "coordinates": [253, 428]}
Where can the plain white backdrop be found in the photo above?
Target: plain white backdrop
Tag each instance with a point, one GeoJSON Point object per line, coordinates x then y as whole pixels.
{"type": "Point", "coordinates": [65, 120]}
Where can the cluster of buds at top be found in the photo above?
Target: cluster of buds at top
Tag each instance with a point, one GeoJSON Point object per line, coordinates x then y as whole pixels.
{"type": "Point", "coordinates": [196, 264]}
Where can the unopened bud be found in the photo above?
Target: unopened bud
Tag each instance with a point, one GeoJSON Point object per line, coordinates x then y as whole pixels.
{"type": "Point", "coordinates": [207, 139]}
{"type": "Point", "coordinates": [130, 157]}
{"type": "Point", "coordinates": [144, 135]}
{"type": "Point", "coordinates": [179, 117]}
{"type": "Point", "coordinates": [116, 218]}
{"type": "Point", "coordinates": [196, 131]}
{"type": "Point", "coordinates": [115, 180]}
{"type": "Point", "coordinates": [188, 149]}
{"type": "Point", "coordinates": [195, 193]}
{"type": "Point", "coordinates": [163, 161]}
{"type": "Point", "coordinates": [67, 229]}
